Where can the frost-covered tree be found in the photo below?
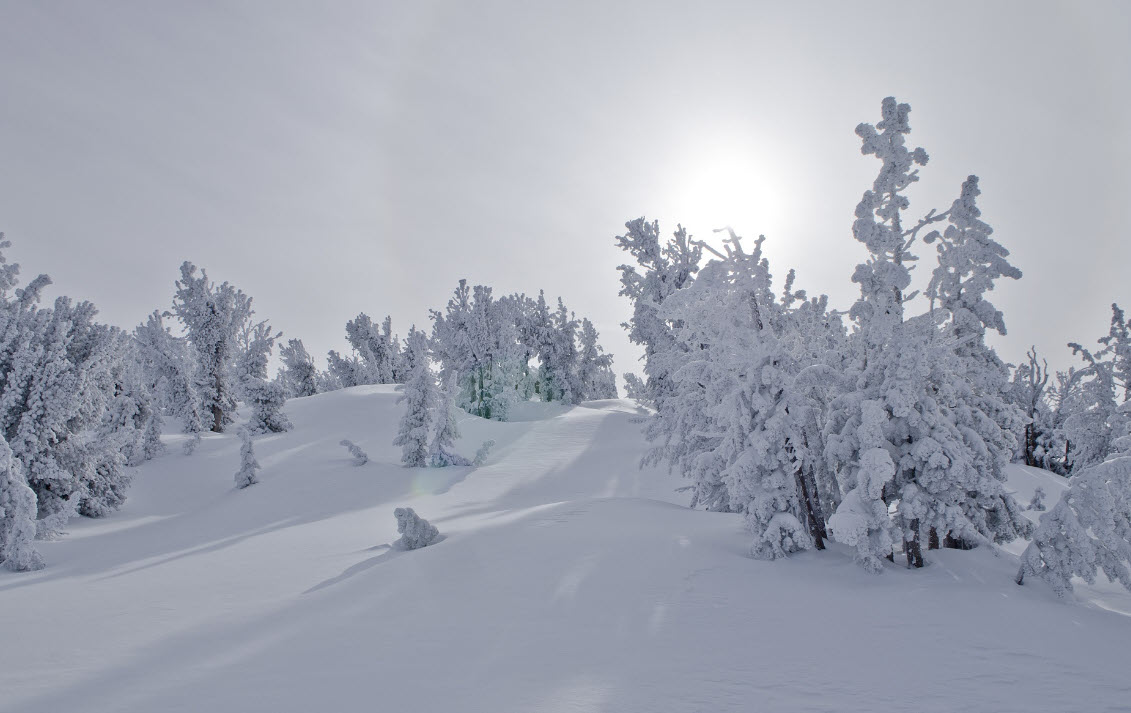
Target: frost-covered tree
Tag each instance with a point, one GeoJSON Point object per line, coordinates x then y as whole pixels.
{"type": "Point", "coordinates": [212, 316]}
{"type": "Point", "coordinates": [476, 344]}
{"type": "Point", "coordinates": [255, 342]}
{"type": "Point", "coordinates": [17, 515]}
{"type": "Point", "coordinates": [248, 464]}
{"type": "Point", "coordinates": [663, 269]}
{"type": "Point", "coordinates": [915, 429]}
{"type": "Point", "coordinates": [737, 419]}
{"type": "Point", "coordinates": [421, 398]}
{"type": "Point", "coordinates": [299, 374]}
{"type": "Point", "coordinates": [442, 451]}
{"type": "Point", "coordinates": [378, 348]}
{"type": "Point", "coordinates": [1028, 389]}
{"type": "Point", "coordinates": [348, 371]}
{"type": "Point", "coordinates": [1098, 416]}
{"type": "Point", "coordinates": [266, 399]}
{"type": "Point", "coordinates": [360, 457]}
{"type": "Point", "coordinates": [415, 531]}
{"type": "Point", "coordinates": [57, 380]}
{"type": "Point", "coordinates": [594, 368]}
{"type": "Point", "coordinates": [169, 366]}
{"type": "Point", "coordinates": [1088, 530]}
{"type": "Point", "coordinates": [1037, 502]}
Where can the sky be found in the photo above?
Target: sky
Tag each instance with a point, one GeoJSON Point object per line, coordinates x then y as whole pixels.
{"type": "Point", "coordinates": [331, 158]}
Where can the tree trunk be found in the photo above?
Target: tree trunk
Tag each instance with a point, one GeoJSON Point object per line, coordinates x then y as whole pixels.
{"type": "Point", "coordinates": [911, 547]}
{"type": "Point", "coordinates": [812, 510]}
{"type": "Point", "coordinates": [933, 539]}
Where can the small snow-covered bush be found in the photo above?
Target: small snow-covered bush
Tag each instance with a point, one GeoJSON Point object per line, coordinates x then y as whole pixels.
{"type": "Point", "coordinates": [1038, 501]}
{"type": "Point", "coordinates": [482, 453]}
{"type": "Point", "coordinates": [416, 532]}
{"type": "Point", "coordinates": [360, 457]}
{"type": "Point", "coordinates": [248, 465]}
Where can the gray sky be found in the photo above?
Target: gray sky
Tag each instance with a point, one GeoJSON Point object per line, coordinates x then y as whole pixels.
{"type": "Point", "coordinates": [331, 158]}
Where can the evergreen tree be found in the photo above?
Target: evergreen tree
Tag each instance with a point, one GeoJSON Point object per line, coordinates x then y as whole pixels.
{"type": "Point", "coordinates": [17, 515]}
{"type": "Point", "coordinates": [1098, 417]}
{"type": "Point", "coordinates": [299, 373]}
{"type": "Point", "coordinates": [266, 399]}
{"type": "Point", "coordinates": [212, 316]}
{"type": "Point", "coordinates": [421, 397]}
{"type": "Point", "coordinates": [248, 464]}
{"type": "Point", "coordinates": [594, 368]}
{"type": "Point", "coordinates": [1088, 530]}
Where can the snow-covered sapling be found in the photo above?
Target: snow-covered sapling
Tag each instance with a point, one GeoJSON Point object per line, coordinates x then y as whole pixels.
{"type": "Point", "coordinates": [1038, 501]}
{"type": "Point", "coordinates": [248, 465]}
{"type": "Point", "coordinates": [360, 457]}
{"type": "Point", "coordinates": [415, 531]}
{"type": "Point", "coordinates": [482, 453]}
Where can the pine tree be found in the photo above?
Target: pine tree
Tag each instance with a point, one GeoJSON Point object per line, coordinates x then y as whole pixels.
{"type": "Point", "coordinates": [915, 427]}
{"type": "Point", "coordinates": [420, 396]}
{"type": "Point", "coordinates": [17, 514]}
{"type": "Point", "coordinates": [248, 464]}
{"type": "Point", "coordinates": [1099, 417]}
{"type": "Point", "coordinates": [212, 316]}
{"type": "Point", "coordinates": [267, 399]}
{"type": "Point", "coordinates": [416, 532]}
{"type": "Point", "coordinates": [299, 373]}
{"type": "Point", "coordinates": [1088, 530]}
{"type": "Point", "coordinates": [442, 449]}
{"type": "Point", "coordinates": [664, 269]}
{"type": "Point", "coordinates": [594, 367]}
{"type": "Point", "coordinates": [169, 368]}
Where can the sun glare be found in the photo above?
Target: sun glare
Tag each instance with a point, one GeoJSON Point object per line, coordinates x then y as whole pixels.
{"type": "Point", "coordinates": [721, 186]}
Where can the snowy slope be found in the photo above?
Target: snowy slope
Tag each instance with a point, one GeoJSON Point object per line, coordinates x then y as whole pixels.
{"type": "Point", "coordinates": [568, 580]}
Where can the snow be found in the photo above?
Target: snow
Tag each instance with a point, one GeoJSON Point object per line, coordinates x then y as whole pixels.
{"type": "Point", "coordinates": [567, 579]}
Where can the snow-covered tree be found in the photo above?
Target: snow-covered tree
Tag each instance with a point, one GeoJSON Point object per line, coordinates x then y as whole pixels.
{"type": "Point", "coordinates": [299, 374]}
{"type": "Point", "coordinates": [594, 368]}
{"type": "Point", "coordinates": [1037, 502]}
{"type": "Point", "coordinates": [17, 515]}
{"type": "Point", "coordinates": [266, 399]}
{"type": "Point", "coordinates": [248, 464]}
{"type": "Point", "coordinates": [421, 397]}
{"type": "Point", "coordinates": [915, 428]}
{"type": "Point", "coordinates": [1088, 530]}
{"type": "Point", "coordinates": [1098, 416]}
{"type": "Point", "coordinates": [476, 344]}
{"type": "Point", "coordinates": [442, 451]}
{"type": "Point", "coordinates": [737, 417]}
{"type": "Point", "coordinates": [663, 269]}
{"type": "Point", "coordinates": [212, 316]}
{"type": "Point", "coordinates": [169, 366]}
{"type": "Point", "coordinates": [1028, 389]}
{"type": "Point", "coordinates": [415, 531]}
{"type": "Point", "coordinates": [57, 379]}
{"type": "Point", "coordinates": [255, 342]}
{"type": "Point", "coordinates": [378, 348]}
{"type": "Point", "coordinates": [360, 457]}
{"type": "Point", "coordinates": [347, 371]}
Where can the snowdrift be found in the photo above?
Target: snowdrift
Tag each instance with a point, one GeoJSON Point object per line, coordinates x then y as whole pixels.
{"type": "Point", "coordinates": [567, 579]}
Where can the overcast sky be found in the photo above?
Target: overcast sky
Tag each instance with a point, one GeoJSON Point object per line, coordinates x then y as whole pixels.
{"type": "Point", "coordinates": [336, 157]}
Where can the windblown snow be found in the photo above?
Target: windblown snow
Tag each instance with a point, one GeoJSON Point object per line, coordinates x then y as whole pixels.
{"type": "Point", "coordinates": [565, 578]}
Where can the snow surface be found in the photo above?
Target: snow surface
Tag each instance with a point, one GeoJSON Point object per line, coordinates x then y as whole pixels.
{"type": "Point", "coordinates": [567, 579]}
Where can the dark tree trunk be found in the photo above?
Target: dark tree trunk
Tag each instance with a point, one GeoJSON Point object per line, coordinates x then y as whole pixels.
{"type": "Point", "coordinates": [933, 539]}
{"type": "Point", "coordinates": [912, 548]}
{"type": "Point", "coordinates": [812, 510]}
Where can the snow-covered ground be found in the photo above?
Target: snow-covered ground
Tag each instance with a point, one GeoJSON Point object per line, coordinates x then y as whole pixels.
{"type": "Point", "coordinates": [567, 580]}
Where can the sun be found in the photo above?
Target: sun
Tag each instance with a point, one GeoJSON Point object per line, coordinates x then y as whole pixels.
{"type": "Point", "coordinates": [725, 184]}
